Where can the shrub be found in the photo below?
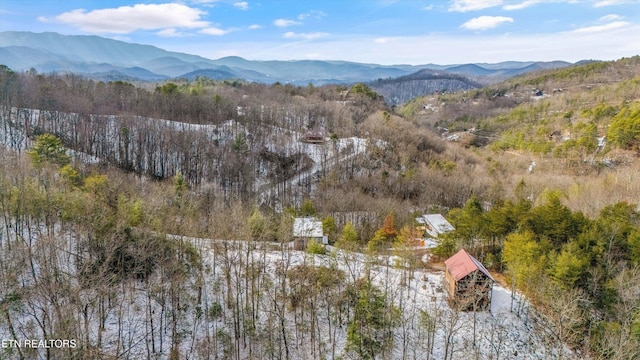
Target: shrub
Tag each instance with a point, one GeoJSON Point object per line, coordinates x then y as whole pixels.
{"type": "Point", "coordinates": [313, 247]}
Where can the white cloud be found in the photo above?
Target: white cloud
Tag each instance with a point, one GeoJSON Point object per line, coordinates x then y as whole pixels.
{"type": "Point", "coordinates": [523, 5]}
{"type": "Point", "coordinates": [170, 32]}
{"type": "Point", "coordinates": [127, 19]}
{"type": "Point", "coordinates": [305, 36]}
{"type": "Point", "coordinates": [286, 23]}
{"type": "Point", "coordinates": [382, 40]}
{"type": "Point", "coordinates": [603, 3]}
{"type": "Point", "coordinates": [255, 27]}
{"type": "Point", "coordinates": [213, 31]}
{"type": "Point", "coordinates": [486, 22]}
{"type": "Point", "coordinates": [312, 14]}
{"type": "Point", "coordinates": [473, 5]}
{"type": "Point", "coordinates": [452, 49]}
{"type": "Point", "coordinates": [242, 5]}
{"type": "Point", "coordinates": [610, 17]}
{"type": "Point", "coordinates": [602, 28]}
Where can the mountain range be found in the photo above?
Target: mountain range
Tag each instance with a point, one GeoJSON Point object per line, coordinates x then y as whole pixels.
{"type": "Point", "coordinates": [109, 60]}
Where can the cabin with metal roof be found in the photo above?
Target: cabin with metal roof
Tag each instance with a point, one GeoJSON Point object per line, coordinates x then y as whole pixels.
{"type": "Point", "coordinates": [434, 224]}
{"type": "Point", "coordinates": [468, 282]}
{"type": "Point", "coordinates": [306, 229]}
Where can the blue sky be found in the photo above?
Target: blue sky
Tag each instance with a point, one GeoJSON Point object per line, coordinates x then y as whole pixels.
{"type": "Point", "coordinates": [370, 31]}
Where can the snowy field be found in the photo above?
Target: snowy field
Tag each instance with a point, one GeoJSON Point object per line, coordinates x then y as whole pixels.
{"type": "Point", "coordinates": [499, 333]}
{"type": "Point", "coordinates": [240, 307]}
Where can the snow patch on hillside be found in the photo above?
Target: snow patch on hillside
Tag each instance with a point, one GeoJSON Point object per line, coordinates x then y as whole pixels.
{"type": "Point", "coordinates": [134, 315]}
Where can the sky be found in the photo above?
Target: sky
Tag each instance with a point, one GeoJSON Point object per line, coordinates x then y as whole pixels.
{"type": "Point", "coordinates": [383, 32]}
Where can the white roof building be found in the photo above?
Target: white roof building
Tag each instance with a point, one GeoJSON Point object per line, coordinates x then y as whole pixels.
{"type": "Point", "coordinates": [305, 229]}
{"type": "Point", "coordinates": [435, 224]}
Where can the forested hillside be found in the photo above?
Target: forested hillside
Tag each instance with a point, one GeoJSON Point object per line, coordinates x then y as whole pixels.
{"type": "Point", "coordinates": [237, 138]}
{"type": "Point", "coordinates": [159, 217]}
{"type": "Point", "coordinates": [563, 148]}
{"type": "Point", "coordinates": [404, 88]}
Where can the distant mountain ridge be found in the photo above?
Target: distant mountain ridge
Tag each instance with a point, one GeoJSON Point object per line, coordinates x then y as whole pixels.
{"type": "Point", "coordinates": [91, 48]}
{"type": "Point", "coordinates": [425, 81]}
{"type": "Point", "coordinates": [108, 59]}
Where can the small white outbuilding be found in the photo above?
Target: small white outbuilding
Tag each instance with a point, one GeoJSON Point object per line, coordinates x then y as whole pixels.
{"type": "Point", "coordinates": [305, 229]}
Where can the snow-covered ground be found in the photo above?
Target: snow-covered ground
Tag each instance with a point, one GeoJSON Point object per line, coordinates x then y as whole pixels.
{"type": "Point", "coordinates": [17, 124]}
{"type": "Point", "coordinates": [497, 334]}
{"type": "Point", "coordinates": [240, 308]}
{"type": "Point", "coordinates": [134, 321]}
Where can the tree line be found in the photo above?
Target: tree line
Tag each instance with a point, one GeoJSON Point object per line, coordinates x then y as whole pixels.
{"type": "Point", "coordinates": [580, 272]}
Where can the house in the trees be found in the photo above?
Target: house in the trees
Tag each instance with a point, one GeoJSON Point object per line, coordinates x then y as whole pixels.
{"type": "Point", "coordinates": [434, 225]}
{"type": "Point", "coordinates": [306, 229]}
{"type": "Point", "coordinates": [468, 282]}
{"type": "Point", "coordinates": [314, 136]}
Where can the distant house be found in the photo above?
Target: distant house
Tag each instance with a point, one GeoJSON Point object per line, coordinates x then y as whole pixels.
{"type": "Point", "coordinates": [434, 224]}
{"type": "Point", "coordinates": [305, 229]}
{"type": "Point", "coordinates": [468, 282]}
{"type": "Point", "coordinates": [314, 136]}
